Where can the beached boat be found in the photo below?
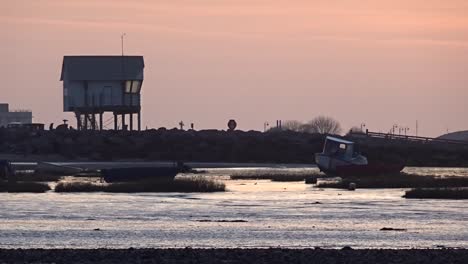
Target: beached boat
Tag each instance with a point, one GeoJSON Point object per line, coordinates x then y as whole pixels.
{"type": "Point", "coordinates": [339, 158]}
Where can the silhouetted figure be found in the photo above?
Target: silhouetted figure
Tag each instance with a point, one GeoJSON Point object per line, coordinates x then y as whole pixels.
{"type": "Point", "coordinates": [181, 124]}
{"type": "Point", "coordinates": [51, 127]}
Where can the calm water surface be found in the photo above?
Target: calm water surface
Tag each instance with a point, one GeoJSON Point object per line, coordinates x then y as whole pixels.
{"type": "Point", "coordinates": [251, 214]}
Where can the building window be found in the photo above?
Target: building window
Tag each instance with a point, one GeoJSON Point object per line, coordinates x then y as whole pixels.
{"type": "Point", "coordinates": [132, 87]}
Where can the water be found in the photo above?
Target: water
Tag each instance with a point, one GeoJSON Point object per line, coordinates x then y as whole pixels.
{"type": "Point", "coordinates": [272, 214]}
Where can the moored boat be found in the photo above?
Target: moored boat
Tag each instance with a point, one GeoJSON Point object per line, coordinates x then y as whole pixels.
{"type": "Point", "coordinates": [339, 158]}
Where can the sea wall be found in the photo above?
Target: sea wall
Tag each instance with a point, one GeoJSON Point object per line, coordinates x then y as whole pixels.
{"type": "Point", "coordinates": [210, 146]}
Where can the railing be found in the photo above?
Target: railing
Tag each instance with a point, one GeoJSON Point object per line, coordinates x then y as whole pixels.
{"type": "Point", "coordinates": [20, 111]}
{"type": "Point", "coordinates": [407, 138]}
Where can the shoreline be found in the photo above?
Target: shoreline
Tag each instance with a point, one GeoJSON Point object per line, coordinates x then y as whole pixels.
{"type": "Point", "coordinates": [235, 255]}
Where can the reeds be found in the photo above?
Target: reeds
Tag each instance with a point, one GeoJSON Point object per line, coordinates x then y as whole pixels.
{"type": "Point", "coordinates": [193, 184]}
{"type": "Point", "coordinates": [280, 176]}
{"type": "Point", "coordinates": [27, 187]}
{"type": "Point", "coordinates": [402, 180]}
{"type": "Point", "coordinates": [437, 193]}
{"type": "Point", "coordinates": [79, 187]}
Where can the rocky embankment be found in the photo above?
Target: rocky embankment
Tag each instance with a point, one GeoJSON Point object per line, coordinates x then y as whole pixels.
{"type": "Point", "coordinates": [209, 146]}
{"type": "Point", "coordinates": [272, 255]}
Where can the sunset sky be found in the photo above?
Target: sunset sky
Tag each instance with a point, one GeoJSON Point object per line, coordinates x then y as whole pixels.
{"type": "Point", "coordinates": [381, 62]}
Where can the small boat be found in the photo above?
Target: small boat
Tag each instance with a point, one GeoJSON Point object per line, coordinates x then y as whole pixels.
{"type": "Point", "coordinates": [132, 174]}
{"type": "Point", "coordinates": [339, 158]}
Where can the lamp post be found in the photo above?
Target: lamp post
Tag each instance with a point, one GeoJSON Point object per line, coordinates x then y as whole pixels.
{"type": "Point", "coordinates": [122, 38]}
{"type": "Point", "coordinates": [406, 129]}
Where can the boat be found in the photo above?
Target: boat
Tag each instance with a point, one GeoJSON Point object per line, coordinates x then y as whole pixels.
{"type": "Point", "coordinates": [132, 174]}
{"type": "Point", "coordinates": [339, 158]}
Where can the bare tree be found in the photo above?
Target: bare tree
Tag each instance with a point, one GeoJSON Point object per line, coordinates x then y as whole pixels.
{"type": "Point", "coordinates": [323, 125]}
{"type": "Point", "coordinates": [356, 129]}
{"type": "Point", "coordinates": [292, 125]}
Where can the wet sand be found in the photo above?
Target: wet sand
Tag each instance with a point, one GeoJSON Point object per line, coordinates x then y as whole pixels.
{"type": "Point", "coordinates": [271, 255]}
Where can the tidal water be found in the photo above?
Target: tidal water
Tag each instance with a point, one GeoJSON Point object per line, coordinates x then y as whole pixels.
{"type": "Point", "coordinates": [252, 213]}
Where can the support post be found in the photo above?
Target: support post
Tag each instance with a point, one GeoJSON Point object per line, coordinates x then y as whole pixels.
{"type": "Point", "coordinates": [85, 122]}
{"type": "Point", "coordinates": [100, 121]}
{"type": "Point", "coordinates": [131, 121]}
{"type": "Point", "coordinates": [78, 120]}
{"type": "Point", "coordinates": [139, 120]}
{"type": "Point", "coordinates": [93, 125]}
{"type": "Point", "coordinates": [115, 121]}
{"type": "Point", "coordinates": [123, 122]}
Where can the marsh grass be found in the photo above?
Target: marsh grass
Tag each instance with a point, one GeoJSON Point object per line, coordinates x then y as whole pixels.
{"type": "Point", "coordinates": [437, 193]}
{"type": "Point", "coordinates": [280, 176]}
{"type": "Point", "coordinates": [192, 184]}
{"type": "Point", "coordinates": [27, 187]}
{"type": "Point", "coordinates": [401, 180]}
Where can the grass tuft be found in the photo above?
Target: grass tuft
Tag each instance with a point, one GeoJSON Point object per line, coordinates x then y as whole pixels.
{"type": "Point", "coordinates": [78, 187]}
{"type": "Point", "coordinates": [195, 184]}
{"type": "Point", "coordinates": [437, 193]}
{"type": "Point", "coordinates": [280, 176]}
{"type": "Point", "coordinates": [401, 180]}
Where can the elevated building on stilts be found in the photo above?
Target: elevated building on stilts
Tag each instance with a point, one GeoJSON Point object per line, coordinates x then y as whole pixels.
{"type": "Point", "coordinates": [96, 86]}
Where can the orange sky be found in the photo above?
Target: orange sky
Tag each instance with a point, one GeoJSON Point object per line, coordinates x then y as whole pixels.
{"type": "Point", "coordinates": [378, 62]}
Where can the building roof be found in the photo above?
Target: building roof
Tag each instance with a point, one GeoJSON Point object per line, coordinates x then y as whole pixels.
{"type": "Point", "coordinates": [102, 68]}
{"type": "Point", "coordinates": [339, 140]}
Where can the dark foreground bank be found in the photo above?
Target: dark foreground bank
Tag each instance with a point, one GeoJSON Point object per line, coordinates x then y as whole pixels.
{"type": "Point", "coordinates": [272, 255]}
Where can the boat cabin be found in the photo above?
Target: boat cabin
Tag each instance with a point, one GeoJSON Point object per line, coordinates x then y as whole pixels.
{"type": "Point", "coordinates": [338, 153]}
{"type": "Point", "coordinates": [338, 147]}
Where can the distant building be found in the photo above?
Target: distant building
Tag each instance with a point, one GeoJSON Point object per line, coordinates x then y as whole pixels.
{"type": "Point", "coordinates": [14, 117]}
{"type": "Point", "coordinates": [93, 85]}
